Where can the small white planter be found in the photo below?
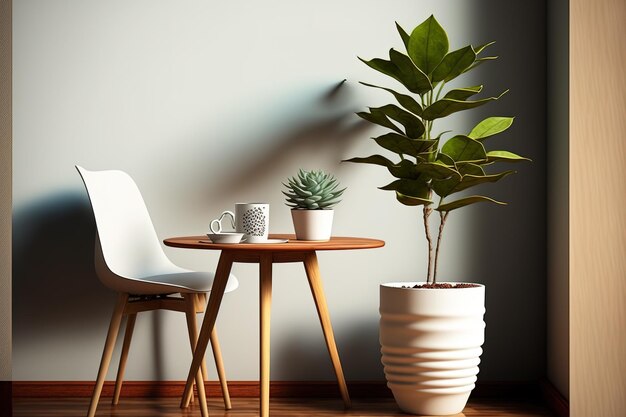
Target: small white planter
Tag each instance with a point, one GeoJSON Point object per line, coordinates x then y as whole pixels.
{"type": "Point", "coordinates": [431, 345]}
{"type": "Point", "coordinates": [312, 224]}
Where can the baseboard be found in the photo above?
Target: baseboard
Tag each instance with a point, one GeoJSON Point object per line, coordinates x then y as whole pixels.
{"type": "Point", "coordinates": [284, 389]}
{"type": "Point", "coordinates": [321, 389]}
{"type": "Point", "coordinates": [6, 399]}
{"type": "Point", "coordinates": [557, 403]}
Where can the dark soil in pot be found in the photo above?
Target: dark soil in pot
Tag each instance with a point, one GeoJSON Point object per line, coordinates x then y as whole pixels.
{"type": "Point", "coordinates": [444, 285]}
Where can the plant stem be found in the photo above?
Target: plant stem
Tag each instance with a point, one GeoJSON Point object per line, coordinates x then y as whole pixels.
{"type": "Point", "coordinates": [427, 211]}
{"type": "Point", "coordinates": [444, 216]}
{"type": "Point", "coordinates": [427, 101]}
{"type": "Point", "coordinates": [440, 90]}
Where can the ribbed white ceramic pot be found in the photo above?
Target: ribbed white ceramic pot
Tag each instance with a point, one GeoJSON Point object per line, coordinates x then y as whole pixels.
{"type": "Point", "coordinates": [431, 345]}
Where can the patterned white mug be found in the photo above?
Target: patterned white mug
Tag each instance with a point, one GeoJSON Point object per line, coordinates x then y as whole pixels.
{"type": "Point", "coordinates": [251, 219]}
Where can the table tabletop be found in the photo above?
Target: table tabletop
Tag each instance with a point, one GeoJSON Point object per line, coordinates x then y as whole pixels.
{"type": "Point", "coordinates": [294, 245]}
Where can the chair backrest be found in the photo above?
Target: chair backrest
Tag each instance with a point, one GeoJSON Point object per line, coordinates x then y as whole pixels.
{"type": "Point", "coordinates": [129, 244]}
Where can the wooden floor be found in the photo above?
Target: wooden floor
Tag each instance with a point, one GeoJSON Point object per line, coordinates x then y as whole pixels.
{"type": "Point", "coordinates": [247, 407]}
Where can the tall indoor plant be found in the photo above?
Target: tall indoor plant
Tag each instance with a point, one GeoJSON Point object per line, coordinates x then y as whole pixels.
{"type": "Point", "coordinates": [431, 332]}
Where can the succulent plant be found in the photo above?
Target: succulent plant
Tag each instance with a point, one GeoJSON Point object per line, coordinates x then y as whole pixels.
{"type": "Point", "coordinates": [312, 190]}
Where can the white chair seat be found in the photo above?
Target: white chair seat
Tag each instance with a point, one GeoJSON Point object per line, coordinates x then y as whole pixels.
{"type": "Point", "coordinates": [189, 281]}
{"type": "Point", "coordinates": [169, 283]}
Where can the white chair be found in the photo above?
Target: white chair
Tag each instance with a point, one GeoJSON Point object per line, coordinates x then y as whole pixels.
{"type": "Point", "coordinates": [130, 260]}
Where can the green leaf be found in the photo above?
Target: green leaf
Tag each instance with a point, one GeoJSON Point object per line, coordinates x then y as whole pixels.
{"type": "Point", "coordinates": [463, 93]}
{"type": "Point", "coordinates": [405, 36]}
{"type": "Point", "coordinates": [482, 47]}
{"type": "Point", "coordinates": [402, 69]}
{"type": "Point", "coordinates": [378, 117]}
{"type": "Point", "coordinates": [405, 101]}
{"type": "Point", "coordinates": [472, 175]}
{"type": "Point", "coordinates": [446, 106]}
{"type": "Point", "coordinates": [505, 156]}
{"type": "Point", "coordinates": [428, 156]}
{"type": "Point", "coordinates": [403, 145]}
{"type": "Point", "coordinates": [462, 202]}
{"type": "Point", "coordinates": [445, 159]}
{"type": "Point", "coordinates": [301, 192]}
{"type": "Point", "coordinates": [373, 160]}
{"type": "Point", "coordinates": [428, 44]}
{"type": "Point", "coordinates": [471, 169]}
{"type": "Point", "coordinates": [479, 61]}
{"type": "Point", "coordinates": [437, 170]}
{"type": "Point", "coordinates": [326, 203]}
{"type": "Point", "coordinates": [413, 126]}
{"type": "Point", "coordinates": [414, 78]}
{"type": "Point", "coordinates": [411, 201]}
{"type": "Point", "coordinates": [290, 195]}
{"type": "Point", "coordinates": [412, 188]}
{"type": "Point", "coordinates": [405, 169]}
{"type": "Point", "coordinates": [464, 149]}
{"type": "Point", "coordinates": [453, 64]}
{"type": "Point", "coordinates": [469, 181]}
{"type": "Point", "coordinates": [410, 192]}
{"type": "Point", "coordinates": [490, 126]}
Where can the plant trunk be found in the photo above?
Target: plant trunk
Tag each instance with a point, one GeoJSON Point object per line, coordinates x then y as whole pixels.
{"type": "Point", "coordinates": [444, 216]}
{"type": "Point", "coordinates": [427, 212]}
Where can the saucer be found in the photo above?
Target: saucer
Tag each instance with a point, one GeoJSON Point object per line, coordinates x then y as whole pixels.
{"type": "Point", "coordinates": [267, 242]}
{"type": "Point", "coordinates": [226, 237]}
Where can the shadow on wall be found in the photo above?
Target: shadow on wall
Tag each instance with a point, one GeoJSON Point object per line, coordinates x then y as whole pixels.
{"type": "Point", "coordinates": [509, 252]}
{"type": "Point", "coordinates": [54, 284]}
{"type": "Point", "coordinates": [329, 131]}
{"type": "Point", "coordinates": [357, 345]}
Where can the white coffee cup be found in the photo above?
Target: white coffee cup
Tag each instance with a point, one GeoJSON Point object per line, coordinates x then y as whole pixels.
{"type": "Point", "coordinates": [251, 219]}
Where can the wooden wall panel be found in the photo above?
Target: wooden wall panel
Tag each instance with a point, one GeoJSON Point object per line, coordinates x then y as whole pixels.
{"type": "Point", "coordinates": [597, 208]}
{"type": "Point", "coordinates": [5, 189]}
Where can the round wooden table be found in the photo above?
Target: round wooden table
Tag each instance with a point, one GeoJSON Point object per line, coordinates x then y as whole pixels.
{"type": "Point", "coordinates": [266, 255]}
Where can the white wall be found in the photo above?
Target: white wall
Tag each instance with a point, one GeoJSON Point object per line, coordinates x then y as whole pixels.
{"type": "Point", "coordinates": [206, 104]}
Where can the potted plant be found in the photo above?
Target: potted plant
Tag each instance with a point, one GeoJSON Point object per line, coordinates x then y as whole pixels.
{"type": "Point", "coordinates": [431, 332]}
{"type": "Point", "coordinates": [311, 196]}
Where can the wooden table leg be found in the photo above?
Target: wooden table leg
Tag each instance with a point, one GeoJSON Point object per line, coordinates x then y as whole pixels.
{"type": "Point", "coordinates": [265, 303]}
{"type": "Point", "coordinates": [315, 282]}
{"type": "Point", "coordinates": [215, 299]}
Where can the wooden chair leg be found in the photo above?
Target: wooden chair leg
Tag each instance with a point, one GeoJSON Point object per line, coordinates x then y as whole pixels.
{"type": "Point", "coordinates": [109, 345]}
{"type": "Point", "coordinates": [128, 335]}
{"type": "Point", "coordinates": [192, 326]}
{"type": "Point", "coordinates": [201, 303]}
{"type": "Point", "coordinates": [219, 364]}
{"type": "Point", "coordinates": [205, 373]}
